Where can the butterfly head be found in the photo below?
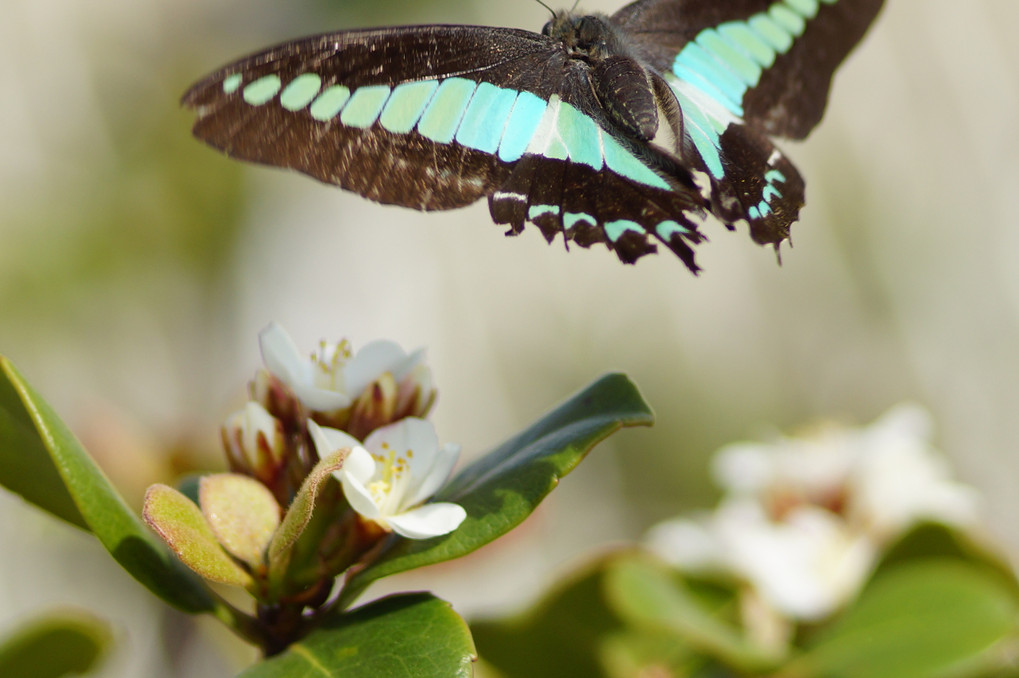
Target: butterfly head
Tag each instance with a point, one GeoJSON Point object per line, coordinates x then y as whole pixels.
{"type": "Point", "coordinates": [590, 36]}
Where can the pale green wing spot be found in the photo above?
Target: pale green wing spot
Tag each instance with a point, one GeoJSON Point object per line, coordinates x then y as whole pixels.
{"type": "Point", "coordinates": [364, 106]}
{"type": "Point", "coordinates": [615, 229]}
{"type": "Point", "coordinates": [554, 149]}
{"type": "Point", "coordinates": [807, 8]}
{"type": "Point", "coordinates": [701, 127]}
{"type": "Point", "coordinates": [695, 78]}
{"type": "Point", "coordinates": [485, 118]}
{"type": "Point", "coordinates": [330, 102]}
{"type": "Point", "coordinates": [231, 83]}
{"type": "Point", "coordinates": [774, 175]}
{"type": "Point", "coordinates": [788, 19]}
{"type": "Point", "coordinates": [772, 33]}
{"type": "Point", "coordinates": [623, 163]}
{"type": "Point", "coordinates": [262, 90]}
{"type": "Point", "coordinates": [707, 71]}
{"type": "Point", "coordinates": [527, 113]}
{"type": "Point", "coordinates": [446, 109]}
{"type": "Point", "coordinates": [535, 211]}
{"type": "Point", "coordinates": [300, 91]}
{"type": "Point", "coordinates": [748, 70]}
{"type": "Point", "coordinates": [769, 192]}
{"type": "Point", "coordinates": [580, 135]}
{"type": "Point", "coordinates": [741, 35]}
{"type": "Point", "coordinates": [406, 104]}
{"type": "Point", "coordinates": [571, 219]}
{"type": "Point", "coordinates": [667, 229]}
{"type": "Point", "coordinates": [545, 140]}
{"type": "Point", "coordinates": [754, 213]}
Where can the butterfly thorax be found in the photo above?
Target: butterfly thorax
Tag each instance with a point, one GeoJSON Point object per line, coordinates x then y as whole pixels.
{"type": "Point", "coordinates": [621, 83]}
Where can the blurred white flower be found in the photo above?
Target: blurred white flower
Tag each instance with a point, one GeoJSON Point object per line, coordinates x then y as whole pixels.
{"type": "Point", "coordinates": [804, 519]}
{"type": "Point", "coordinates": [804, 566]}
{"type": "Point", "coordinates": [388, 479]}
{"type": "Point", "coordinates": [332, 379]}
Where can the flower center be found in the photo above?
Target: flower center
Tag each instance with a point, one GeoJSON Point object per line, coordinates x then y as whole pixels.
{"type": "Point", "coordinates": [329, 363]}
{"type": "Point", "coordinates": [392, 472]}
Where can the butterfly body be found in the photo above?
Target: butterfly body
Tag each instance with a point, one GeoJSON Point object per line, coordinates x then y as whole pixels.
{"type": "Point", "coordinates": [623, 130]}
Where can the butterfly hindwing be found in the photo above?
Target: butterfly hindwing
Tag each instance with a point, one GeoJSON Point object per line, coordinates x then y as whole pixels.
{"type": "Point", "coordinates": [787, 49]}
{"type": "Point", "coordinates": [741, 70]}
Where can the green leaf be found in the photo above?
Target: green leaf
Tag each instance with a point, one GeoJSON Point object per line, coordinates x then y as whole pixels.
{"type": "Point", "coordinates": [648, 595]}
{"type": "Point", "coordinates": [404, 636]}
{"type": "Point", "coordinates": [184, 528]}
{"type": "Point", "coordinates": [25, 464]}
{"type": "Point", "coordinates": [41, 460]}
{"type": "Point", "coordinates": [913, 621]}
{"type": "Point", "coordinates": [56, 645]}
{"type": "Point", "coordinates": [502, 488]}
{"type": "Point", "coordinates": [927, 541]}
{"type": "Point", "coordinates": [562, 635]}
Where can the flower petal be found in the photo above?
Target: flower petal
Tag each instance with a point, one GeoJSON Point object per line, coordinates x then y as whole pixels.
{"type": "Point", "coordinates": [284, 361]}
{"type": "Point", "coordinates": [358, 468]}
{"type": "Point", "coordinates": [442, 464]}
{"type": "Point", "coordinates": [328, 440]}
{"type": "Point", "coordinates": [430, 520]}
{"type": "Point", "coordinates": [372, 361]}
{"type": "Point", "coordinates": [335, 439]}
{"type": "Point", "coordinates": [280, 353]}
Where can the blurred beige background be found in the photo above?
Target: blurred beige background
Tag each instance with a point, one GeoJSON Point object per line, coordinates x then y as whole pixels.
{"type": "Point", "coordinates": [137, 266]}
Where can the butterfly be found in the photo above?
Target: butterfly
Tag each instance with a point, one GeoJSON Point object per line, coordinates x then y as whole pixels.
{"type": "Point", "coordinates": [624, 130]}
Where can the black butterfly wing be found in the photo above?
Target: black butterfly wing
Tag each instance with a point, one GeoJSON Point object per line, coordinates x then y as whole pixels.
{"type": "Point", "coordinates": [435, 117]}
{"type": "Point", "coordinates": [310, 133]}
{"type": "Point", "coordinates": [791, 92]}
{"type": "Point", "coordinates": [743, 70]}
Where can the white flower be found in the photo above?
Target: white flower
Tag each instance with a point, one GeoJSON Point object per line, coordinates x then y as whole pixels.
{"type": "Point", "coordinates": [805, 566]}
{"type": "Point", "coordinates": [804, 519]}
{"type": "Point", "coordinates": [332, 379]}
{"type": "Point", "coordinates": [882, 479]}
{"type": "Point", "coordinates": [388, 479]}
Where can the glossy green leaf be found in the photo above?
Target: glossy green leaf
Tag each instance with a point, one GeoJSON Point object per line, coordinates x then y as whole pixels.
{"type": "Point", "coordinates": [917, 620]}
{"type": "Point", "coordinates": [35, 442]}
{"type": "Point", "coordinates": [404, 636]}
{"type": "Point", "coordinates": [26, 466]}
{"type": "Point", "coordinates": [502, 488]}
{"type": "Point", "coordinates": [60, 644]}
{"type": "Point", "coordinates": [647, 594]}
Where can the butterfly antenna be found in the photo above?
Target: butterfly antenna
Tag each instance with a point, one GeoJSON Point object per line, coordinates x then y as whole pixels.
{"type": "Point", "coordinates": [551, 11]}
{"type": "Point", "coordinates": [574, 8]}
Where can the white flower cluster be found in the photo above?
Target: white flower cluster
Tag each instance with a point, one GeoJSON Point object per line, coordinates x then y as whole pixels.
{"type": "Point", "coordinates": [804, 520]}
{"type": "Point", "coordinates": [390, 476]}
